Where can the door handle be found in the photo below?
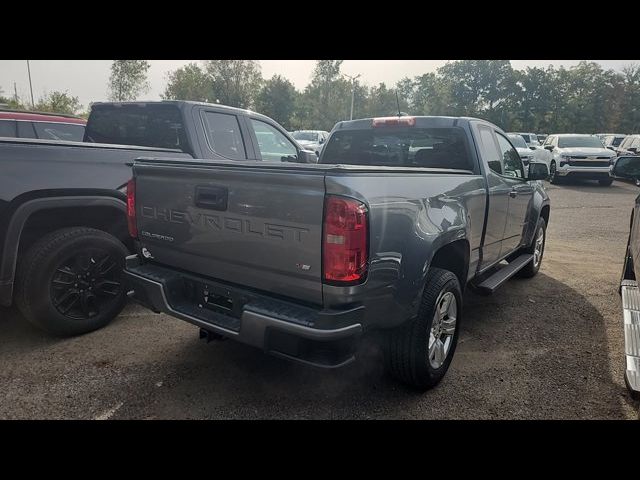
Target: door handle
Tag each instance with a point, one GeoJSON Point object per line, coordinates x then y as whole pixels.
{"type": "Point", "coordinates": [212, 198]}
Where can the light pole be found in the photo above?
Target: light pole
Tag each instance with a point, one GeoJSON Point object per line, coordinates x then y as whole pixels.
{"type": "Point", "coordinates": [353, 90]}
{"type": "Point", "coordinates": [30, 86]}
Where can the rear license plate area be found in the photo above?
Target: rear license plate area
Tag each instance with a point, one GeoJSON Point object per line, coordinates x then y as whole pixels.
{"type": "Point", "coordinates": [214, 297]}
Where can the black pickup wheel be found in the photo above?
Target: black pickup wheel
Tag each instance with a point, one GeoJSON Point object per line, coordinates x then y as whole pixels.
{"type": "Point", "coordinates": [70, 282]}
{"type": "Point", "coordinates": [419, 353]}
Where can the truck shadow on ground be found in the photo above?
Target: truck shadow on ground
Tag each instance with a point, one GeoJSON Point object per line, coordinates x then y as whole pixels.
{"type": "Point", "coordinates": [537, 349]}
{"type": "Point", "coordinates": [533, 350]}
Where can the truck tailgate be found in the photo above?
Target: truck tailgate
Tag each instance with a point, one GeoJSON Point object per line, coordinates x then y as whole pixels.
{"type": "Point", "coordinates": [256, 227]}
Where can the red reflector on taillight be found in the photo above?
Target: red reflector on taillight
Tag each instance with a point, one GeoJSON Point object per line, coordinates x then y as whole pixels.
{"type": "Point", "coordinates": [391, 121]}
{"type": "Point", "coordinates": [131, 208]}
{"type": "Point", "coordinates": [345, 246]}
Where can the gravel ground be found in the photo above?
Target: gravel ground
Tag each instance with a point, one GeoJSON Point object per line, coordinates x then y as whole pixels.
{"type": "Point", "coordinates": [546, 348]}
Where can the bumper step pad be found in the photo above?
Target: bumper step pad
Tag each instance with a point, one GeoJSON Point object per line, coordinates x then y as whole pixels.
{"type": "Point", "coordinates": [631, 309]}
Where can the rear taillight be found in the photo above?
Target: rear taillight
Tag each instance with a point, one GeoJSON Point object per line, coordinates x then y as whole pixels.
{"type": "Point", "coordinates": [131, 208]}
{"type": "Point", "coordinates": [345, 249]}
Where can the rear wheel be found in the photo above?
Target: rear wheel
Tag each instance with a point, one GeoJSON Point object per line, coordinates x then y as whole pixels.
{"type": "Point", "coordinates": [419, 352]}
{"type": "Point", "coordinates": [70, 282]}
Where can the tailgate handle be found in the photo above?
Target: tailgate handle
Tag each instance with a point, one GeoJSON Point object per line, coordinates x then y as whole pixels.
{"type": "Point", "coordinates": [213, 198]}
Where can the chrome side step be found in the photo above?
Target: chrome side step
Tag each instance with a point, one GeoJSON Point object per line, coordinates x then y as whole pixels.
{"type": "Point", "coordinates": [631, 312]}
{"type": "Point", "coordinates": [490, 284]}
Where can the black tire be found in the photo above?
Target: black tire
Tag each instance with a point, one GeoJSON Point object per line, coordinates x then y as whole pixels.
{"type": "Point", "coordinates": [605, 182]}
{"type": "Point", "coordinates": [553, 178]}
{"type": "Point", "coordinates": [531, 269]}
{"type": "Point", "coordinates": [44, 277]}
{"type": "Point", "coordinates": [406, 352]}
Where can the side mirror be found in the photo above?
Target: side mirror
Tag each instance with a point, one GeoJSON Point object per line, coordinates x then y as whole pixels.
{"type": "Point", "coordinates": [321, 141]}
{"type": "Point", "coordinates": [531, 147]}
{"type": "Point", "coordinates": [627, 167]}
{"type": "Point", "coordinates": [549, 147]}
{"type": "Point", "coordinates": [307, 156]}
{"type": "Point", "coordinates": [538, 171]}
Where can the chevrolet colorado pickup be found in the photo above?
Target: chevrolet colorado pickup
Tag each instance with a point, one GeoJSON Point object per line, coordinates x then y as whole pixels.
{"type": "Point", "coordinates": [383, 234]}
{"type": "Point", "coordinates": [63, 225]}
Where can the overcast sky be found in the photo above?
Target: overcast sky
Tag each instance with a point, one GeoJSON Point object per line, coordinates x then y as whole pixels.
{"type": "Point", "coordinates": [87, 79]}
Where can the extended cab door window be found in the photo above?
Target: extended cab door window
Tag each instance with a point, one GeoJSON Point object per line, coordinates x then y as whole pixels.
{"type": "Point", "coordinates": [223, 134]}
{"type": "Point", "coordinates": [273, 145]}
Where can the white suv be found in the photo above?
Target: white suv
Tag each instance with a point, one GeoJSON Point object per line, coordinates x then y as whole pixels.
{"type": "Point", "coordinates": [579, 156]}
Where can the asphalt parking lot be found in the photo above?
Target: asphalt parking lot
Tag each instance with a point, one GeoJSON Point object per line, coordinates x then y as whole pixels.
{"type": "Point", "coordinates": [546, 348]}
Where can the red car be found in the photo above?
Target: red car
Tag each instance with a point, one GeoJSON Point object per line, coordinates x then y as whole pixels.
{"type": "Point", "coordinates": [47, 126]}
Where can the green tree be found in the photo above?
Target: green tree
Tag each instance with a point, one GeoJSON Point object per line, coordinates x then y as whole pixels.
{"type": "Point", "coordinates": [58, 102]}
{"type": "Point", "coordinates": [235, 82]}
{"type": "Point", "coordinates": [327, 99]}
{"type": "Point", "coordinates": [382, 102]}
{"type": "Point", "coordinates": [277, 99]}
{"type": "Point", "coordinates": [128, 79]}
{"type": "Point", "coordinates": [478, 87]}
{"type": "Point", "coordinates": [189, 83]}
{"type": "Point", "coordinates": [631, 107]}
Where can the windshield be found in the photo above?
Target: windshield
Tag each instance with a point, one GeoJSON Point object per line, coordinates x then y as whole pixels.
{"type": "Point", "coordinates": [617, 141]}
{"type": "Point", "coordinates": [582, 141]}
{"type": "Point", "coordinates": [305, 136]}
{"type": "Point", "coordinates": [517, 141]}
{"type": "Point", "coordinates": [417, 147]}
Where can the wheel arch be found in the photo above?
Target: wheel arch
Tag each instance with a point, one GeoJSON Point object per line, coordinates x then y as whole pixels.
{"type": "Point", "coordinates": [453, 256]}
{"type": "Point", "coordinates": [36, 213]}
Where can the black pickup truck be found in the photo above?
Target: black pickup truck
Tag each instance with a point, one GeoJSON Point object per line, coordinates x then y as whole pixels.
{"type": "Point", "coordinates": [63, 226]}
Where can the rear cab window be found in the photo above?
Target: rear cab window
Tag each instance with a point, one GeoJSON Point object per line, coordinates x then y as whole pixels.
{"type": "Point", "coordinates": [400, 146]}
{"type": "Point", "coordinates": [157, 126]}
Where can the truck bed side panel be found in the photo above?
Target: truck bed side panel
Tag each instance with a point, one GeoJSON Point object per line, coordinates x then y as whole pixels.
{"type": "Point", "coordinates": [411, 217]}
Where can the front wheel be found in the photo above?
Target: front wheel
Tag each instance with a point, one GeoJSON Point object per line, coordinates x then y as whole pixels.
{"type": "Point", "coordinates": [419, 353]}
{"type": "Point", "coordinates": [71, 282]}
{"type": "Point", "coordinates": [536, 249]}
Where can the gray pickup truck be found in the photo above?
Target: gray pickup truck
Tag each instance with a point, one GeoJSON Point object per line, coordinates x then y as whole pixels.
{"type": "Point", "coordinates": [382, 235]}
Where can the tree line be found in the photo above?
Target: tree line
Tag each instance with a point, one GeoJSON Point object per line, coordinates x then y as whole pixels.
{"type": "Point", "coordinates": [583, 99]}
